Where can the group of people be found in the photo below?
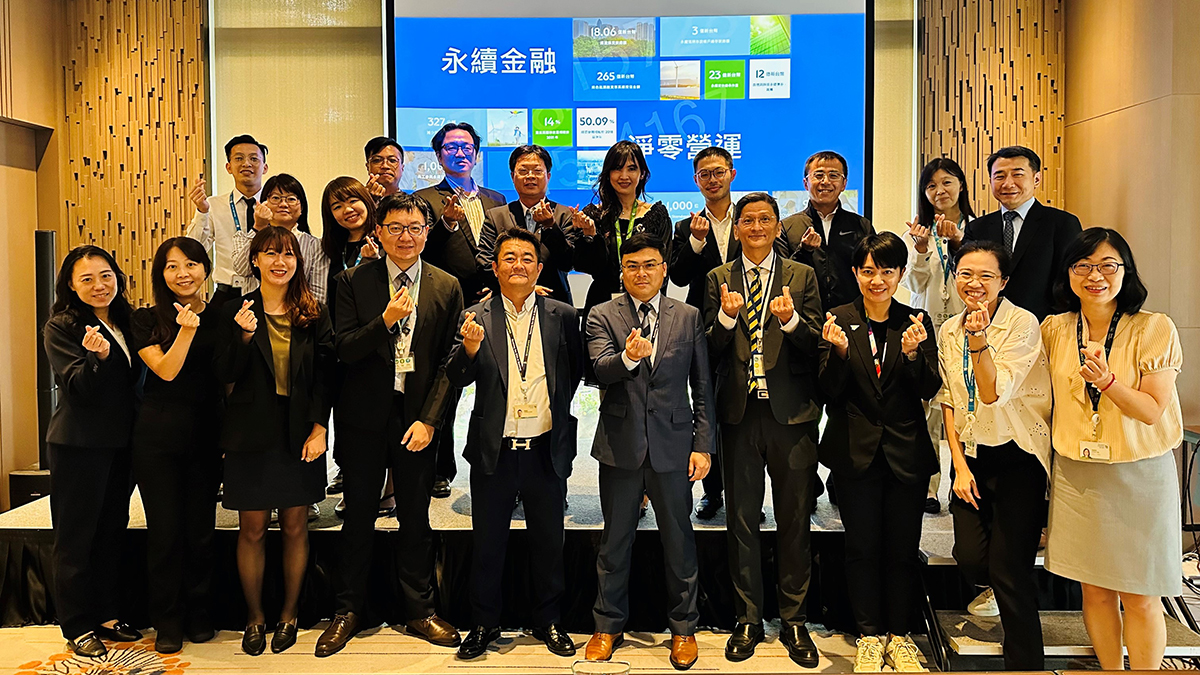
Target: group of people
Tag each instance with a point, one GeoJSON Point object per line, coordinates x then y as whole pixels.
{"type": "Point", "coordinates": [408, 299]}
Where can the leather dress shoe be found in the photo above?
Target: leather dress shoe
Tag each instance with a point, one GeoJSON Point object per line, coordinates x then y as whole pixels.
{"type": "Point", "coordinates": [199, 629]}
{"type": "Point", "coordinates": [602, 645]}
{"type": "Point", "coordinates": [708, 506]}
{"type": "Point", "coordinates": [800, 646]}
{"type": "Point", "coordinates": [477, 641]}
{"type": "Point", "coordinates": [254, 639]}
{"type": "Point", "coordinates": [120, 632]}
{"type": "Point", "coordinates": [340, 630]}
{"type": "Point", "coordinates": [684, 651]}
{"type": "Point", "coordinates": [441, 488]}
{"type": "Point", "coordinates": [87, 645]}
{"type": "Point", "coordinates": [745, 638]}
{"type": "Point", "coordinates": [436, 630]}
{"type": "Point", "coordinates": [336, 485]}
{"type": "Point", "coordinates": [284, 637]}
{"type": "Point", "coordinates": [168, 644]}
{"type": "Point", "coordinates": [557, 640]}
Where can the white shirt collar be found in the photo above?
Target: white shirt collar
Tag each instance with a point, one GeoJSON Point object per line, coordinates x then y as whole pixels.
{"type": "Point", "coordinates": [240, 198]}
{"type": "Point", "coordinates": [768, 262]}
{"type": "Point", "coordinates": [511, 307]}
{"type": "Point", "coordinates": [655, 302]}
{"type": "Point", "coordinates": [712, 218]}
{"type": "Point", "coordinates": [413, 271]}
{"type": "Point", "coordinates": [1022, 210]}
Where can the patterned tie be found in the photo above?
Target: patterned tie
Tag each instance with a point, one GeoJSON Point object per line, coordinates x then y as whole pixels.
{"type": "Point", "coordinates": [755, 311]}
{"type": "Point", "coordinates": [530, 223]}
{"type": "Point", "coordinates": [403, 282]}
{"type": "Point", "coordinates": [647, 312]}
{"type": "Point", "coordinates": [1009, 216]}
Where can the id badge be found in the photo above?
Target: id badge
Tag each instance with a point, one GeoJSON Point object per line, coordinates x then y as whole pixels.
{"type": "Point", "coordinates": [405, 364]}
{"type": "Point", "coordinates": [970, 447]}
{"type": "Point", "coordinates": [756, 362]}
{"type": "Point", "coordinates": [1094, 450]}
{"type": "Point", "coordinates": [524, 411]}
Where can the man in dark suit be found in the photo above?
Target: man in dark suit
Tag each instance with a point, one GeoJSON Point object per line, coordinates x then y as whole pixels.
{"type": "Point", "coordinates": [396, 320]}
{"type": "Point", "coordinates": [764, 319]}
{"type": "Point", "coordinates": [551, 222]}
{"type": "Point", "coordinates": [646, 349]}
{"type": "Point", "coordinates": [459, 205]}
{"type": "Point", "coordinates": [1036, 235]}
{"type": "Point", "coordinates": [702, 242]}
{"type": "Point", "coordinates": [525, 357]}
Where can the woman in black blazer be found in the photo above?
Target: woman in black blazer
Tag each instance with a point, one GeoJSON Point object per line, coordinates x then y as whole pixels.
{"type": "Point", "coordinates": [878, 363]}
{"type": "Point", "coordinates": [275, 349]}
{"type": "Point", "coordinates": [175, 457]}
{"type": "Point", "coordinates": [88, 438]}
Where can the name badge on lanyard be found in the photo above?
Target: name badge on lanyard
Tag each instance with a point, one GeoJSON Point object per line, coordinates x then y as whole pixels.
{"type": "Point", "coordinates": [967, 435]}
{"type": "Point", "coordinates": [1093, 449]}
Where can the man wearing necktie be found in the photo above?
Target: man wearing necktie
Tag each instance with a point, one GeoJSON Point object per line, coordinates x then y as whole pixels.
{"type": "Point", "coordinates": [646, 350]}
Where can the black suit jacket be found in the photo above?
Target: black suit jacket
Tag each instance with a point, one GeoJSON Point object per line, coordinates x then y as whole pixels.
{"type": "Point", "coordinates": [556, 253]}
{"type": "Point", "coordinates": [790, 359]}
{"type": "Point", "coordinates": [690, 269]}
{"type": "Point", "coordinates": [869, 414]}
{"type": "Point", "coordinates": [599, 257]}
{"type": "Point", "coordinates": [367, 348]}
{"type": "Point", "coordinates": [250, 424]}
{"type": "Point", "coordinates": [831, 261]}
{"type": "Point", "coordinates": [97, 400]}
{"type": "Point", "coordinates": [1037, 254]}
{"type": "Point", "coordinates": [455, 252]}
{"type": "Point", "coordinates": [563, 354]}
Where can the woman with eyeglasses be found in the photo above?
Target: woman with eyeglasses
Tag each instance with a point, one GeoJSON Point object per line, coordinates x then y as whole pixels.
{"type": "Point", "coordinates": [348, 218]}
{"type": "Point", "coordinates": [1114, 495]}
{"type": "Point", "coordinates": [879, 363]}
{"type": "Point", "coordinates": [275, 351]}
{"type": "Point", "coordinates": [995, 402]}
{"type": "Point", "coordinates": [285, 205]}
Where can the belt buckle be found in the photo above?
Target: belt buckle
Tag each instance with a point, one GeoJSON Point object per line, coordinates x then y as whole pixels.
{"type": "Point", "coordinates": [520, 443]}
{"type": "Point", "coordinates": [763, 394]}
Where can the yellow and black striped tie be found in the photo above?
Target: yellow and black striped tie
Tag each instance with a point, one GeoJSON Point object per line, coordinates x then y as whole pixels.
{"type": "Point", "coordinates": [756, 304]}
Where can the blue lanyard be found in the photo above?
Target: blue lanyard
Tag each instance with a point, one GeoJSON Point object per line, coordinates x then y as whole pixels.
{"type": "Point", "coordinates": [968, 376]}
{"type": "Point", "coordinates": [237, 222]}
{"type": "Point", "coordinates": [945, 260]}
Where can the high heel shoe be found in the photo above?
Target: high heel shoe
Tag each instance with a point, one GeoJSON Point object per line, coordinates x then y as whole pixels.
{"type": "Point", "coordinates": [254, 640]}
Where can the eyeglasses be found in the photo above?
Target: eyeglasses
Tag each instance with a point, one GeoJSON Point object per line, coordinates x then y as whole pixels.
{"type": "Point", "coordinates": [705, 174]}
{"type": "Point", "coordinates": [245, 159]}
{"type": "Point", "coordinates": [967, 276]}
{"type": "Point", "coordinates": [289, 200]}
{"type": "Point", "coordinates": [455, 148]}
{"type": "Point", "coordinates": [537, 173]}
{"type": "Point", "coordinates": [398, 229]}
{"type": "Point", "coordinates": [818, 176]}
{"type": "Point", "coordinates": [635, 268]}
{"type": "Point", "coordinates": [1082, 269]}
{"type": "Point", "coordinates": [764, 221]}
{"type": "Point", "coordinates": [887, 274]}
{"type": "Point", "coordinates": [380, 160]}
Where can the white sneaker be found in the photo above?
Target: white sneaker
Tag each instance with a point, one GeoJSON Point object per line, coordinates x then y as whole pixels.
{"type": "Point", "coordinates": [984, 604]}
{"type": "Point", "coordinates": [903, 655]}
{"type": "Point", "coordinates": [869, 658]}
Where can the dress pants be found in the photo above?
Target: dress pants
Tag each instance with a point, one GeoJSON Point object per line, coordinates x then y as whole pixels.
{"type": "Point", "coordinates": [714, 483]}
{"type": "Point", "coordinates": [997, 544]}
{"type": "Point", "coordinates": [364, 469]}
{"type": "Point", "coordinates": [621, 501]}
{"type": "Point", "coordinates": [789, 454]}
{"type": "Point", "coordinates": [178, 492]}
{"type": "Point", "coordinates": [89, 507]}
{"type": "Point", "coordinates": [531, 473]}
{"type": "Point", "coordinates": [443, 441]}
{"type": "Point", "coordinates": [882, 516]}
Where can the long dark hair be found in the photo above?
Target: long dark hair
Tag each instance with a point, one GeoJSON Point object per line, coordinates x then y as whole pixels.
{"type": "Point", "coordinates": [618, 156]}
{"type": "Point", "coordinates": [287, 183]}
{"type": "Point", "coordinates": [66, 300]}
{"type": "Point", "coordinates": [925, 207]}
{"type": "Point", "coordinates": [165, 326]}
{"type": "Point", "coordinates": [302, 305]}
{"type": "Point", "coordinates": [1133, 292]}
{"type": "Point", "coordinates": [333, 235]}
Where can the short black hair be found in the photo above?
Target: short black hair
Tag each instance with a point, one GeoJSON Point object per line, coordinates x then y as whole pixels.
{"type": "Point", "coordinates": [753, 198]}
{"type": "Point", "coordinates": [1133, 292]}
{"type": "Point", "coordinates": [378, 143]}
{"type": "Point", "coordinates": [827, 155]}
{"type": "Point", "coordinates": [1012, 152]}
{"type": "Point", "coordinates": [440, 136]}
{"type": "Point", "coordinates": [239, 140]}
{"type": "Point", "coordinates": [887, 251]}
{"type": "Point", "coordinates": [998, 251]}
{"type": "Point", "coordinates": [287, 183]}
{"type": "Point", "coordinates": [642, 241]}
{"type": "Point", "coordinates": [518, 234]}
{"type": "Point", "coordinates": [402, 202]}
{"type": "Point", "coordinates": [712, 151]}
{"type": "Point", "coordinates": [522, 150]}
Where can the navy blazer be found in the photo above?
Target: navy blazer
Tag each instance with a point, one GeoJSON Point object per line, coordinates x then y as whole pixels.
{"type": "Point", "coordinates": [646, 410]}
{"type": "Point", "coordinates": [556, 253]}
{"type": "Point", "coordinates": [454, 252]}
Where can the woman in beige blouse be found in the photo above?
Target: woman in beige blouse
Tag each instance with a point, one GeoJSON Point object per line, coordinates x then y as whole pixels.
{"type": "Point", "coordinates": [1114, 499]}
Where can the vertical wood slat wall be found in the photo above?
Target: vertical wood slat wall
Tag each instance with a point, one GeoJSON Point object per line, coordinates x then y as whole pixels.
{"type": "Point", "coordinates": [990, 75]}
{"type": "Point", "coordinates": [135, 126]}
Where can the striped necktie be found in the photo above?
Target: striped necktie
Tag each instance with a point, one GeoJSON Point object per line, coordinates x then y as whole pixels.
{"type": "Point", "coordinates": [755, 312]}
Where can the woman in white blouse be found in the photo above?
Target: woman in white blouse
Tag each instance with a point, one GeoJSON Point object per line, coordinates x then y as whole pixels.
{"type": "Point", "coordinates": [995, 401]}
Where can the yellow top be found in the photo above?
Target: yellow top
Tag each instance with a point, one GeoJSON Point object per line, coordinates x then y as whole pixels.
{"type": "Point", "coordinates": [279, 329]}
{"type": "Point", "coordinates": [1145, 343]}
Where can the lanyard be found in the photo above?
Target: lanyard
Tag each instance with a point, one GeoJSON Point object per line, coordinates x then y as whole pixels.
{"type": "Point", "coordinates": [237, 222]}
{"type": "Point", "coordinates": [875, 351]}
{"type": "Point", "coordinates": [522, 365]}
{"type": "Point", "coordinates": [766, 292]}
{"type": "Point", "coordinates": [945, 258]}
{"type": "Point", "coordinates": [968, 376]}
{"type": "Point", "coordinates": [413, 287]}
{"type": "Point", "coordinates": [1092, 392]}
{"type": "Point", "coordinates": [632, 219]}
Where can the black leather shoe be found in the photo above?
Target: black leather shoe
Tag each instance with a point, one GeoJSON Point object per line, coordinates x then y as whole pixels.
{"type": "Point", "coordinates": [745, 638]}
{"type": "Point", "coordinates": [557, 641]}
{"type": "Point", "coordinates": [120, 632]}
{"type": "Point", "coordinates": [932, 506]}
{"type": "Point", "coordinates": [477, 641]}
{"type": "Point", "coordinates": [284, 637]}
{"type": "Point", "coordinates": [168, 644]}
{"type": "Point", "coordinates": [708, 506]}
{"type": "Point", "coordinates": [87, 645]}
{"type": "Point", "coordinates": [336, 485]}
{"type": "Point", "coordinates": [254, 639]}
{"type": "Point", "coordinates": [800, 646]}
{"type": "Point", "coordinates": [441, 488]}
{"type": "Point", "coordinates": [199, 629]}
{"type": "Point", "coordinates": [340, 630]}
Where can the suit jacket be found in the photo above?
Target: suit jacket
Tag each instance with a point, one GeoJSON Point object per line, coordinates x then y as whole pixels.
{"type": "Point", "coordinates": [790, 359]}
{"type": "Point", "coordinates": [455, 252]}
{"type": "Point", "coordinates": [563, 353]}
{"type": "Point", "coordinates": [97, 400]}
{"type": "Point", "coordinates": [646, 410]}
{"type": "Point", "coordinates": [831, 261]}
{"type": "Point", "coordinates": [557, 249]}
{"type": "Point", "coordinates": [250, 424]}
{"type": "Point", "coordinates": [869, 414]}
{"type": "Point", "coordinates": [690, 269]}
{"type": "Point", "coordinates": [599, 256]}
{"type": "Point", "coordinates": [367, 348]}
{"type": "Point", "coordinates": [1037, 254]}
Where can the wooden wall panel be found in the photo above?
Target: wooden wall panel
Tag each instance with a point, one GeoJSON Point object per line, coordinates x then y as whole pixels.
{"type": "Point", "coordinates": [134, 125]}
{"type": "Point", "coordinates": [991, 75]}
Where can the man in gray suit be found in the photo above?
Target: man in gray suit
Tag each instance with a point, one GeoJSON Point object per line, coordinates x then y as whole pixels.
{"type": "Point", "coordinates": [646, 349]}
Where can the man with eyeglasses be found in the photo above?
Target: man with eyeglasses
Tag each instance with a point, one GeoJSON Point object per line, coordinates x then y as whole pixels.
{"type": "Point", "coordinates": [396, 320]}
{"type": "Point", "coordinates": [551, 222]}
{"type": "Point", "coordinates": [385, 166]}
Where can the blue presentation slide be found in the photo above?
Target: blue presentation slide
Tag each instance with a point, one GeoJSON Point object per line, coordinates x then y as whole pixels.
{"type": "Point", "coordinates": [673, 85]}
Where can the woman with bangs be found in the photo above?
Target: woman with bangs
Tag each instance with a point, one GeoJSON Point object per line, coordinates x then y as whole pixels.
{"type": "Point", "coordinates": [285, 205]}
{"type": "Point", "coordinates": [348, 218]}
{"type": "Point", "coordinates": [275, 349]}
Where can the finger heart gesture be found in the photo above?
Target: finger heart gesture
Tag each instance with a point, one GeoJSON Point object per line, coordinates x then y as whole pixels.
{"type": "Point", "coordinates": [783, 307]}
{"type": "Point", "coordinates": [245, 318]}
{"type": "Point", "coordinates": [636, 346]}
{"type": "Point", "coordinates": [186, 318]}
{"type": "Point", "coordinates": [95, 342]}
{"type": "Point", "coordinates": [914, 335]}
{"type": "Point", "coordinates": [833, 333]}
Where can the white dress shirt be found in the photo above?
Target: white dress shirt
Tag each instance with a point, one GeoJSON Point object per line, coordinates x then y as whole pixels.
{"type": "Point", "coordinates": [765, 268]}
{"type": "Point", "coordinates": [655, 303]}
{"type": "Point", "coordinates": [1022, 211]}
{"type": "Point", "coordinates": [720, 230]}
{"type": "Point", "coordinates": [316, 263]}
{"type": "Point", "coordinates": [404, 342]}
{"type": "Point", "coordinates": [215, 231]}
{"type": "Point", "coordinates": [120, 338]}
{"type": "Point", "coordinates": [535, 390]}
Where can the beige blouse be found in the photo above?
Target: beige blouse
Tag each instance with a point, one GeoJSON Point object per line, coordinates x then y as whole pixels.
{"type": "Point", "coordinates": [1021, 411]}
{"type": "Point", "coordinates": [279, 330]}
{"type": "Point", "coordinates": [1145, 343]}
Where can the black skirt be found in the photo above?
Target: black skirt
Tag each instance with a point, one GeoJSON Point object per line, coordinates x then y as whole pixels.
{"type": "Point", "coordinates": [276, 478]}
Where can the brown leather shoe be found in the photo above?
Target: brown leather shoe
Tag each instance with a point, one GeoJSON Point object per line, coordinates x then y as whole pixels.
{"type": "Point", "coordinates": [600, 647]}
{"type": "Point", "coordinates": [339, 632]}
{"type": "Point", "coordinates": [684, 651]}
{"type": "Point", "coordinates": [436, 630]}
